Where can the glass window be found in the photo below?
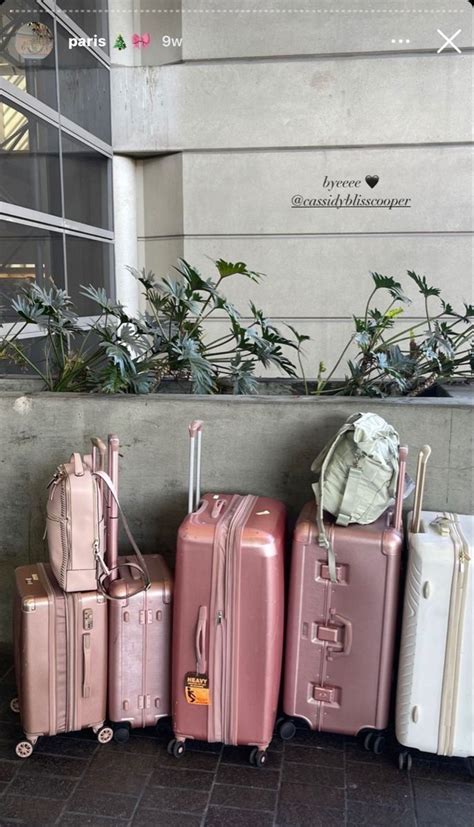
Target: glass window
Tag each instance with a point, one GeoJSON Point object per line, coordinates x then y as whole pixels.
{"type": "Point", "coordinates": [27, 58]}
{"type": "Point", "coordinates": [84, 87]}
{"type": "Point", "coordinates": [92, 18]}
{"type": "Point", "coordinates": [29, 160]}
{"type": "Point", "coordinates": [87, 184]}
{"type": "Point", "coordinates": [27, 254]}
{"type": "Point", "coordinates": [88, 262]}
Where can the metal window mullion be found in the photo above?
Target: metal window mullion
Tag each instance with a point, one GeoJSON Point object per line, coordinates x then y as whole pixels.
{"type": "Point", "coordinates": [85, 137]}
{"type": "Point", "coordinates": [46, 113]}
{"type": "Point", "coordinates": [13, 212]}
{"type": "Point", "coordinates": [29, 102]}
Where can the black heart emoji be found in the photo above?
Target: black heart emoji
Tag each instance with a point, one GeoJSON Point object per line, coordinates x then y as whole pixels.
{"type": "Point", "coordinates": [372, 180]}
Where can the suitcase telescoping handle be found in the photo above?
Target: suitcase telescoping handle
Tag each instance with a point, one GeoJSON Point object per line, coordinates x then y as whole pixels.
{"type": "Point", "coordinates": [423, 457]}
{"type": "Point", "coordinates": [111, 505]}
{"type": "Point", "coordinates": [194, 491]}
{"type": "Point", "coordinates": [99, 453]}
{"type": "Point", "coordinates": [402, 465]}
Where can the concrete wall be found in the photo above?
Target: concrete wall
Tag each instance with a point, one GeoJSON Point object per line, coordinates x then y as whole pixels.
{"type": "Point", "coordinates": [260, 445]}
{"type": "Point", "coordinates": [268, 102]}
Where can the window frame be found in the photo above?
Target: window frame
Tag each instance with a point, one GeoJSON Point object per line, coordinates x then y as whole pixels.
{"type": "Point", "coordinates": [64, 227]}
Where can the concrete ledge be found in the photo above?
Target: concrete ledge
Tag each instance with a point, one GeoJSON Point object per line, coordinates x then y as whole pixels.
{"type": "Point", "coordinates": [263, 104]}
{"type": "Point", "coordinates": [263, 445]}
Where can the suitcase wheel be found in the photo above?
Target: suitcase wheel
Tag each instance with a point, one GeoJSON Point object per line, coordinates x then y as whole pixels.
{"type": "Point", "coordinates": [15, 705]}
{"type": "Point", "coordinates": [122, 733]}
{"type": "Point", "coordinates": [258, 757]}
{"type": "Point", "coordinates": [104, 734]}
{"type": "Point", "coordinates": [286, 730]}
{"type": "Point", "coordinates": [24, 749]}
{"type": "Point", "coordinates": [176, 748]}
{"type": "Point", "coordinates": [374, 742]}
{"type": "Point", "coordinates": [470, 766]}
{"type": "Point", "coordinates": [405, 760]}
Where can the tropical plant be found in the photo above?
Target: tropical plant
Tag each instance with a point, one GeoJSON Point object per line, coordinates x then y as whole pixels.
{"type": "Point", "coordinates": [121, 353]}
{"type": "Point", "coordinates": [404, 360]}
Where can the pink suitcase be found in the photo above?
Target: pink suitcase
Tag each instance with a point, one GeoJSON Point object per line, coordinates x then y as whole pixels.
{"type": "Point", "coordinates": [139, 629]}
{"type": "Point", "coordinates": [228, 618]}
{"type": "Point", "coordinates": [60, 642]}
{"type": "Point", "coordinates": [340, 636]}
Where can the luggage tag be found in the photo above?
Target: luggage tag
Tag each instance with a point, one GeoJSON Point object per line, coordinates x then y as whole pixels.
{"type": "Point", "coordinates": [196, 689]}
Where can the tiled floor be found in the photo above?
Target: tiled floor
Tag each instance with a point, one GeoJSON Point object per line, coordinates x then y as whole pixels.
{"type": "Point", "coordinates": [312, 780]}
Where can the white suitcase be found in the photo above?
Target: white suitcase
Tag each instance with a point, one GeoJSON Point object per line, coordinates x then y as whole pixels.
{"type": "Point", "coordinates": [435, 694]}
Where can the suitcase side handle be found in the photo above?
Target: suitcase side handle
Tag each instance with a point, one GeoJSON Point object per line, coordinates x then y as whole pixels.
{"type": "Point", "coordinates": [423, 457]}
{"type": "Point", "coordinates": [194, 483]}
{"type": "Point", "coordinates": [402, 464]}
{"type": "Point", "coordinates": [347, 644]}
{"type": "Point", "coordinates": [86, 666]}
{"type": "Point", "coordinates": [201, 663]}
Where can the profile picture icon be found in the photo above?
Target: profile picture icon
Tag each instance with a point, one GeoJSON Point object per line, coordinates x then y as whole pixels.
{"type": "Point", "coordinates": [34, 41]}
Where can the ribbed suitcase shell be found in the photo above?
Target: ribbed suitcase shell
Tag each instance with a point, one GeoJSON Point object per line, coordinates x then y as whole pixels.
{"type": "Point", "coordinates": [435, 706]}
{"type": "Point", "coordinates": [139, 647]}
{"type": "Point", "coordinates": [60, 642]}
{"type": "Point", "coordinates": [340, 636]}
{"type": "Point", "coordinates": [240, 582]}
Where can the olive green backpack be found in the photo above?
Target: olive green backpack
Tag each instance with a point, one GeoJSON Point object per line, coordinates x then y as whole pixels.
{"type": "Point", "coordinates": [358, 471]}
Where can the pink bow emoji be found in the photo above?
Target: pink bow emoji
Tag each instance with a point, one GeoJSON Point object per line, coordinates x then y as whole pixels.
{"type": "Point", "coordinates": [138, 41]}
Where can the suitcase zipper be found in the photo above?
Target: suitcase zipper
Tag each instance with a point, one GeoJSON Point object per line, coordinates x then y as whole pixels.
{"type": "Point", "coordinates": [449, 693]}
{"type": "Point", "coordinates": [60, 479]}
{"type": "Point", "coordinates": [232, 616]}
{"type": "Point", "coordinates": [217, 642]}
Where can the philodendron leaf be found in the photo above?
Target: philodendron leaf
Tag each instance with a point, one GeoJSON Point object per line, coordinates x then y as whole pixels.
{"type": "Point", "coordinates": [192, 276]}
{"type": "Point", "coordinates": [120, 357]}
{"type": "Point", "coordinates": [28, 311]}
{"type": "Point", "coordinates": [188, 357]}
{"type": "Point", "coordinates": [423, 285]}
{"type": "Point", "coordinates": [362, 338]}
{"type": "Point", "coordinates": [147, 279]}
{"type": "Point", "coordinates": [226, 269]}
{"type": "Point", "coordinates": [300, 337]}
{"type": "Point", "coordinates": [393, 287]}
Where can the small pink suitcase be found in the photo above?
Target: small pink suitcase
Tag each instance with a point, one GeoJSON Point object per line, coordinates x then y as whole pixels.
{"type": "Point", "coordinates": [228, 618]}
{"type": "Point", "coordinates": [340, 636]}
{"type": "Point", "coordinates": [139, 629]}
{"type": "Point", "coordinates": [60, 642]}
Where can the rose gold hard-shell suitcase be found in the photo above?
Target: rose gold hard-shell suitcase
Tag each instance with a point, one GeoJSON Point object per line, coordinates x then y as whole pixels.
{"type": "Point", "coordinates": [139, 629]}
{"type": "Point", "coordinates": [228, 619]}
{"type": "Point", "coordinates": [60, 642]}
{"type": "Point", "coordinates": [340, 635]}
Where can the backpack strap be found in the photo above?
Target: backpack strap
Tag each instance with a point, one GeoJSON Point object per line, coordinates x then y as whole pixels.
{"type": "Point", "coordinates": [349, 499]}
{"type": "Point", "coordinates": [141, 560]}
{"type": "Point", "coordinates": [321, 463]}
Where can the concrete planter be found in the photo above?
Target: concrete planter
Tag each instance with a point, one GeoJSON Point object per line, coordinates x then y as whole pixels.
{"type": "Point", "coordinates": [262, 444]}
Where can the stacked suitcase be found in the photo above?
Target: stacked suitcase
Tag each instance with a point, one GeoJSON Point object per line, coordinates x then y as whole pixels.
{"type": "Point", "coordinates": [60, 637]}
{"type": "Point", "coordinates": [76, 650]}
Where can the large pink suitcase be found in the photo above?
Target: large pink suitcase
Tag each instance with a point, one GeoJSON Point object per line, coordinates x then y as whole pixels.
{"type": "Point", "coordinates": [60, 642]}
{"type": "Point", "coordinates": [139, 629]}
{"type": "Point", "coordinates": [340, 636]}
{"type": "Point", "coordinates": [228, 619]}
